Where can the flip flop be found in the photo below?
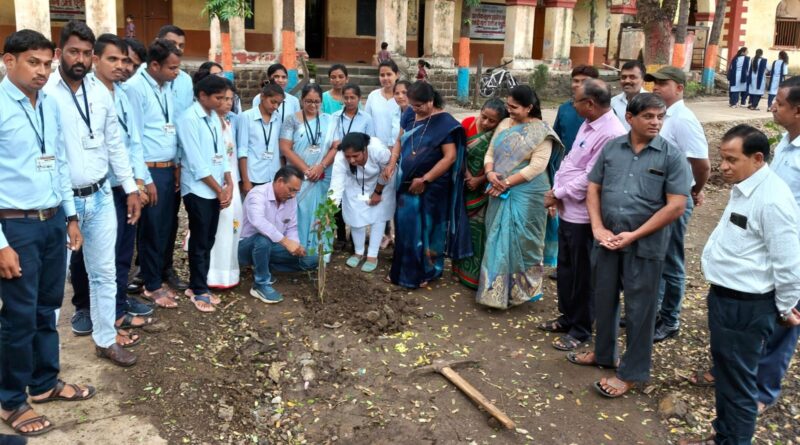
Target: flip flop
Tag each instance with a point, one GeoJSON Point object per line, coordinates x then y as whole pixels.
{"type": "Point", "coordinates": [17, 413]}
{"type": "Point", "coordinates": [204, 298]}
{"type": "Point", "coordinates": [572, 357]}
{"type": "Point", "coordinates": [135, 339]}
{"type": "Point", "coordinates": [566, 343]}
{"type": "Point", "coordinates": [213, 298]}
{"type": "Point", "coordinates": [127, 321]}
{"type": "Point", "coordinates": [55, 393]}
{"type": "Point", "coordinates": [553, 326]}
{"type": "Point", "coordinates": [158, 298]}
{"type": "Point", "coordinates": [700, 380]}
{"type": "Point", "coordinates": [599, 388]}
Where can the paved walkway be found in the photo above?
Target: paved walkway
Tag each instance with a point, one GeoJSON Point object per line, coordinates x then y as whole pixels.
{"type": "Point", "coordinates": [711, 109]}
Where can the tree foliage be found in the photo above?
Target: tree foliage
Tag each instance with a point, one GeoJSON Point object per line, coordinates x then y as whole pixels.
{"type": "Point", "coordinates": [325, 228]}
{"type": "Point", "coordinates": [225, 10]}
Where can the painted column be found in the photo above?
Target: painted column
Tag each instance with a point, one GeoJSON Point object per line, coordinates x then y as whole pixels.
{"type": "Point", "coordinates": [33, 14]}
{"type": "Point", "coordinates": [215, 46]}
{"type": "Point", "coordinates": [712, 51]}
{"type": "Point", "coordinates": [237, 34]}
{"type": "Point", "coordinates": [390, 25]}
{"type": "Point", "coordinates": [558, 33]}
{"type": "Point", "coordinates": [621, 11]}
{"type": "Point", "coordinates": [518, 45]}
{"type": "Point", "coordinates": [440, 17]}
{"type": "Point", "coordinates": [101, 16]}
{"type": "Point", "coordinates": [277, 25]}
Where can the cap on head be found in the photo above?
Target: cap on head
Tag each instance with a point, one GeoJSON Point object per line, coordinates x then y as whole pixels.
{"type": "Point", "coordinates": [667, 73]}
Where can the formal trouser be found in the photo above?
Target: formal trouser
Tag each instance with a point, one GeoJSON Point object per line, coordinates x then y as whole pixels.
{"type": "Point", "coordinates": [154, 228]}
{"type": "Point", "coordinates": [169, 252]}
{"type": "Point", "coordinates": [755, 99]}
{"type": "Point", "coordinates": [126, 237]}
{"type": "Point", "coordinates": [770, 98]}
{"type": "Point", "coordinates": [266, 255]}
{"type": "Point", "coordinates": [203, 216]}
{"type": "Point", "coordinates": [672, 284]}
{"type": "Point", "coordinates": [359, 235]}
{"type": "Point", "coordinates": [97, 220]}
{"type": "Point", "coordinates": [574, 271]}
{"type": "Point", "coordinates": [775, 361]}
{"type": "Point", "coordinates": [611, 272]}
{"type": "Point", "coordinates": [739, 329]}
{"type": "Point", "coordinates": [28, 336]}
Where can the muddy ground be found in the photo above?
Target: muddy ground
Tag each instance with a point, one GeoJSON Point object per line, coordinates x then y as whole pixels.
{"type": "Point", "coordinates": [338, 371]}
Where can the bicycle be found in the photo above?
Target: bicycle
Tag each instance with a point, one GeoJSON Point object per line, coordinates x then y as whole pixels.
{"type": "Point", "coordinates": [494, 80]}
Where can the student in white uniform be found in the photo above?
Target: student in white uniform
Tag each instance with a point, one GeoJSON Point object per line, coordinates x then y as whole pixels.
{"type": "Point", "coordinates": [737, 77]}
{"type": "Point", "coordinates": [368, 201]}
{"type": "Point", "coordinates": [381, 105]}
{"type": "Point", "coordinates": [277, 74]}
{"type": "Point", "coordinates": [779, 71]}
{"type": "Point", "coordinates": [757, 80]}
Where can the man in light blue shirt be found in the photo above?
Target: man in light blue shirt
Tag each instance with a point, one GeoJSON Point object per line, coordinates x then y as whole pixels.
{"type": "Point", "coordinates": [183, 96]}
{"type": "Point", "coordinates": [149, 94]}
{"type": "Point", "coordinates": [206, 184]}
{"type": "Point", "coordinates": [35, 200]}
{"type": "Point", "coordinates": [91, 137]}
{"type": "Point", "coordinates": [257, 133]}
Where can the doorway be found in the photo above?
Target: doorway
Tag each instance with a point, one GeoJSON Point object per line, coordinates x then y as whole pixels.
{"type": "Point", "coordinates": [148, 16]}
{"type": "Point", "coordinates": [421, 29]}
{"type": "Point", "coordinates": [315, 28]}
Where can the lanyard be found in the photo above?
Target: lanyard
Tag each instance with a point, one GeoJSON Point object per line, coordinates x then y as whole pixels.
{"type": "Point", "coordinates": [123, 120]}
{"type": "Point", "coordinates": [341, 122]}
{"type": "Point", "coordinates": [213, 134]}
{"type": "Point", "coordinates": [266, 139]}
{"type": "Point", "coordinates": [39, 137]}
{"type": "Point", "coordinates": [87, 117]}
{"type": "Point", "coordinates": [165, 106]}
{"type": "Point", "coordinates": [309, 133]}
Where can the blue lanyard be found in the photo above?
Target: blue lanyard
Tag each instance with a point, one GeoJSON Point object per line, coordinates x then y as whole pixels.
{"type": "Point", "coordinates": [39, 137]}
{"type": "Point", "coordinates": [213, 134]}
{"type": "Point", "coordinates": [87, 118]}
{"type": "Point", "coordinates": [341, 122]}
{"type": "Point", "coordinates": [165, 106]}
{"type": "Point", "coordinates": [266, 140]}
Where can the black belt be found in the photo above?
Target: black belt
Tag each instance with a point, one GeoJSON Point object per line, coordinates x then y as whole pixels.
{"type": "Point", "coordinates": [88, 190]}
{"type": "Point", "coordinates": [739, 295]}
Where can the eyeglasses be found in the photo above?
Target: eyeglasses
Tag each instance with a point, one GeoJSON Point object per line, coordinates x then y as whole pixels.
{"type": "Point", "coordinates": [312, 102]}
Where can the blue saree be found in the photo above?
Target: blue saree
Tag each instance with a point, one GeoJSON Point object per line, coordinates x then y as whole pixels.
{"type": "Point", "coordinates": [434, 224]}
{"type": "Point", "coordinates": [511, 271]}
{"type": "Point", "coordinates": [311, 193]}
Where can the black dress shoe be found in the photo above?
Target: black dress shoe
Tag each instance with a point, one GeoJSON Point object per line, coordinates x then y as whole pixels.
{"type": "Point", "coordinates": [117, 355]}
{"type": "Point", "coordinates": [664, 332]}
{"type": "Point", "coordinates": [175, 282]}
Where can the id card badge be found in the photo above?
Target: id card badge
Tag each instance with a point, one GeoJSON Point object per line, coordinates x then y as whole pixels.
{"type": "Point", "coordinates": [90, 143]}
{"type": "Point", "coordinates": [46, 163]}
{"type": "Point", "coordinates": [169, 128]}
{"type": "Point", "coordinates": [267, 155]}
{"type": "Point", "coordinates": [363, 197]}
{"type": "Point", "coordinates": [217, 160]}
{"type": "Point", "coordinates": [313, 149]}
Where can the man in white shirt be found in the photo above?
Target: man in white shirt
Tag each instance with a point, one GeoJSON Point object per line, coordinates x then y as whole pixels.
{"type": "Point", "coordinates": [631, 78]}
{"type": "Point", "coordinates": [92, 141]}
{"type": "Point", "coordinates": [683, 130]}
{"type": "Point", "coordinates": [752, 265]}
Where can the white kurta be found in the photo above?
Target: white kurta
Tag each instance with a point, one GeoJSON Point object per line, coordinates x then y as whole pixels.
{"type": "Point", "coordinates": [381, 110]}
{"type": "Point", "coordinates": [776, 76]}
{"type": "Point", "coordinates": [754, 81]}
{"type": "Point", "coordinates": [353, 190]}
{"type": "Point", "coordinates": [740, 85]}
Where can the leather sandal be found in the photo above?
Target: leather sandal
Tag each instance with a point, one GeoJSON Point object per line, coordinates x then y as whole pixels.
{"type": "Point", "coordinates": [127, 322]}
{"type": "Point", "coordinates": [55, 393]}
{"type": "Point", "coordinates": [17, 413]}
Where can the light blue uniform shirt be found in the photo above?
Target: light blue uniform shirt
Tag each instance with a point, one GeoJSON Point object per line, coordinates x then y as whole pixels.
{"type": "Point", "coordinates": [26, 187]}
{"type": "Point", "coordinates": [360, 123]}
{"type": "Point", "coordinates": [129, 127]}
{"type": "Point", "coordinates": [252, 135]}
{"type": "Point", "coordinates": [90, 151]}
{"type": "Point", "coordinates": [182, 90]}
{"type": "Point", "coordinates": [157, 110]}
{"type": "Point", "coordinates": [786, 164]}
{"type": "Point", "coordinates": [289, 106]}
{"type": "Point", "coordinates": [203, 151]}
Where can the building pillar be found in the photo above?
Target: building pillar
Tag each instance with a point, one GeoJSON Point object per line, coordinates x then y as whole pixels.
{"type": "Point", "coordinates": [300, 26]}
{"type": "Point", "coordinates": [215, 41]}
{"type": "Point", "coordinates": [518, 46]}
{"type": "Point", "coordinates": [558, 33]}
{"type": "Point", "coordinates": [101, 16]}
{"type": "Point", "coordinates": [237, 35]}
{"type": "Point", "coordinates": [391, 24]}
{"type": "Point", "coordinates": [277, 25]}
{"type": "Point", "coordinates": [33, 14]}
{"type": "Point", "coordinates": [620, 13]}
{"type": "Point", "coordinates": [440, 19]}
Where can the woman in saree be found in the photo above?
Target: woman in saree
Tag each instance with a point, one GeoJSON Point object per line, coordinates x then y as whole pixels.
{"type": "Point", "coordinates": [305, 142]}
{"type": "Point", "coordinates": [430, 216]}
{"type": "Point", "coordinates": [516, 166]}
{"type": "Point", "coordinates": [479, 130]}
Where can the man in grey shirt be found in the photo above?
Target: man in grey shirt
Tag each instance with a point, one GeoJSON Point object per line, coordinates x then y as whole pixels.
{"type": "Point", "coordinates": [638, 186]}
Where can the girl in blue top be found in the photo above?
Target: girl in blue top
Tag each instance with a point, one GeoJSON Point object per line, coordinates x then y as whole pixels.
{"type": "Point", "coordinates": [351, 119]}
{"type": "Point", "coordinates": [305, 142]}
{"type": "Point", "coordinates": [277, 74]}
{"type": "Point", "coordinates": [333, 99]}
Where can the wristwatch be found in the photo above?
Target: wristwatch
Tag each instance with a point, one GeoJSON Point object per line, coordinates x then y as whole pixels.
{"type": "Point", "coordinates": [378, 192]}
{"type": "Point", "coordinates": [785, 316]}
{"type": "Point", "coordinates": [72, 218]}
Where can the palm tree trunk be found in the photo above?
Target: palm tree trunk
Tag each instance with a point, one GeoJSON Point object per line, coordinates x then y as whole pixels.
{"type": "Point", "coordinates": [656, 18]}
{"type": "Point", "coordinates": [712, 50]}
{"type": "Point", "coordinates": [225, 41]}
{"type": "Point", "coordinates": [679, 50]}
{"type": "Point", "coordinates": [289, 43]}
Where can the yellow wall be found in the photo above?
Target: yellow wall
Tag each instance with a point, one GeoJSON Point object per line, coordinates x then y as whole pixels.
{"type": "Point", "coordinates": [263, 17]}
{"type": "Point", "coordinates": [7, 12]}
{"type": "Point", "coordinates": [342, 19]}
{"type": "Point", "coordinates": [581, 23]}
{"type": "Point", "coordinates": [760, 29]}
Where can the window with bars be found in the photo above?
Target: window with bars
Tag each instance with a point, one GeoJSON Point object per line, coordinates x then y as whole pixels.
{"type": "Point", "coordinates": [787, 32]}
